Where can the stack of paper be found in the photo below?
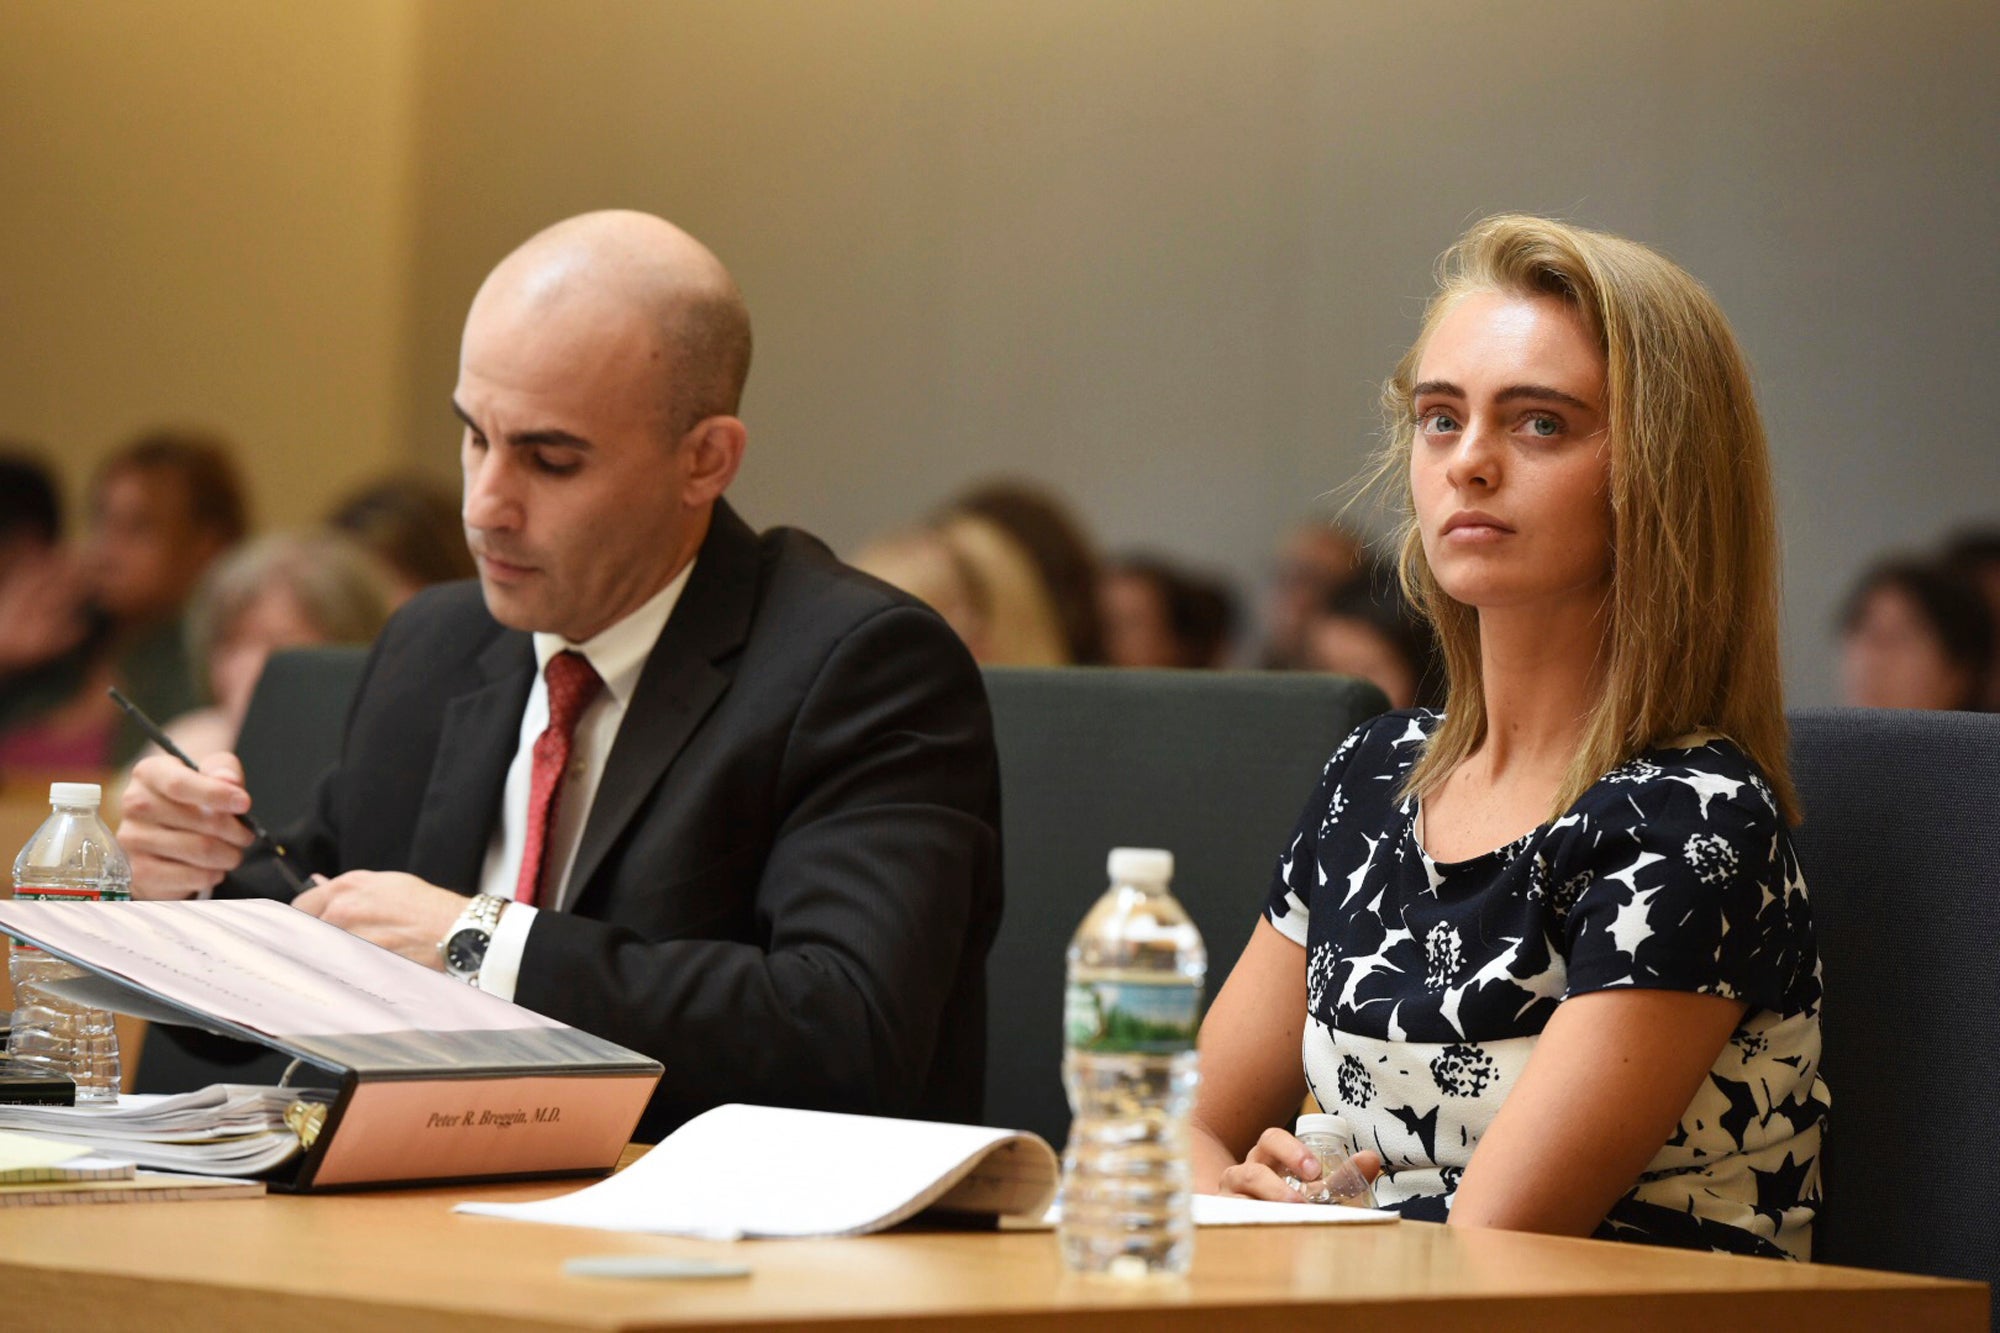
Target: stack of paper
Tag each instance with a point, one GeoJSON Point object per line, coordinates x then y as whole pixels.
{"type": "Point", "coordinates": [761, 1171]}
{"type": "Point", "coordinates": [226, 1129]}
{"type": "Point", "coordinates": [746, 1171]}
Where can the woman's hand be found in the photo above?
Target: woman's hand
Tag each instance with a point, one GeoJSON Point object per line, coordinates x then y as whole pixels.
{"type": "Point", "coordinates": [1278, 1154]}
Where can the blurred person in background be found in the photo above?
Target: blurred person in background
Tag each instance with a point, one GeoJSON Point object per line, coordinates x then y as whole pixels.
{"type": "Point", "coordinates": [1975, 554]}
{"type": "Point", "coordinates": [925, 563]}
{"type": "Point", "coordinates": [1367, 628]}
{"type": "Point", "coordinates": [1915, 634]}
{"type": "Point", "coordinates": [411, 523]}
{"type": "Point", "coordinates": [282, 591]}
{"type": "Point", "coordinates": [1022, 625]}
{"type": "Point", "coordinates": [1064, 558]}
{"type": "Point", "coordinates": [1157, 614]}
{"type": "Point", "coordinates": [161, 510]}
{"type": "Point", "coordinates": [53, 713]}
{"type": "Point", "coordinates": [1313, 559]}
{"type": "Point", "coordinates": [41, 594]}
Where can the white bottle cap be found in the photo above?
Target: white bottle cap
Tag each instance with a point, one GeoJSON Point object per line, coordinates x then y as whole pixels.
{"type": "Point", "coordinates": [75, 793]}
{"type": "Point", "coordinates": [1140, 865]}
{"type": "Point", "coordinates": [1335, 1125]}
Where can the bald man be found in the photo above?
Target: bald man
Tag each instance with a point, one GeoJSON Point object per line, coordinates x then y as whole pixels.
{"type": "Point", "coordinates": [709, 794]}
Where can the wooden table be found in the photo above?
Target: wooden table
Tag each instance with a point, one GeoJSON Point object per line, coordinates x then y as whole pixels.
{"type": "Point", "coordinates": [403, 1261]}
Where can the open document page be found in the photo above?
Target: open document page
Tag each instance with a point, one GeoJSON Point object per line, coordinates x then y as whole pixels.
{"type": "Point", "coordinates": [742, 1171]}
{"type": "Point", "coordinates": [265, 970]}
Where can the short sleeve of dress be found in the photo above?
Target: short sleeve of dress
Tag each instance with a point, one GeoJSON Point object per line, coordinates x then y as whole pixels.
{"type": "Point", "coordinates": [1287, 907]}
{"type": "Point", "coordinates": [1683, 878]}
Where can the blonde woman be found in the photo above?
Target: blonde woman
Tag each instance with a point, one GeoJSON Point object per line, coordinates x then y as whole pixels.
{"type": "Point", "coordinates": [1548, 950]}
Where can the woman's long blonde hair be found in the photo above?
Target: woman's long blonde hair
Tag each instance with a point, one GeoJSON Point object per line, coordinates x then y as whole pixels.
{"type": "Point", "coordinates": [1691, 619]}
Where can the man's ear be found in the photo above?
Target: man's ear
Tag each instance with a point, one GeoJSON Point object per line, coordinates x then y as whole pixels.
{"type": "Point", "coordinates": [712, 450]}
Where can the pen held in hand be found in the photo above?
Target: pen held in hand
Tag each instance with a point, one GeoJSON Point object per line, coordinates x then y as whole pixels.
{"type": "Point", "coordinates": [158, 736]}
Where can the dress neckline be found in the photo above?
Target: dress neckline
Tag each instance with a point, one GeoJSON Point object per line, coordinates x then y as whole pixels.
{"type": "Point", "coordinates": [1505, 852]}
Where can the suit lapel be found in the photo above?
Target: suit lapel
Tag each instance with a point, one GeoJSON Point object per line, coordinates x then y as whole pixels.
{"type": "Point", "coordinates": [683, 678]}
{"type": "Point", "coordinates": [482, 730]}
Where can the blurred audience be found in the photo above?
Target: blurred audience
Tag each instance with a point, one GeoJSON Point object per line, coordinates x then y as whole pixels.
{"type": "Point", "coordinates": [411, 523]}
{"type": "Point", "coordinates": [1975, 554]}
{"type": "Point", "coordinates": [1365, 627]}
{"type": "Point", "coordinates": [1157, 614]}
{"type": "Point", "coordinates": [48, 651]}
{"type": "Point", "coordinates": [1313, 559]}
{"type": "Point", "coordinates": [1915, 634]}
{"type": "Point", "coordinates": [162, 509]}
{"type": "Point", "coordinates": [41, 589]}
{"type": "Point", "coordinates": [277, 592]}
{"type": "Point", "coordinates": [1063, 558]}
{"type": "Point", "coordinates": [926, 564]}
{"type": "Point", "coordinates": [1022, 626]}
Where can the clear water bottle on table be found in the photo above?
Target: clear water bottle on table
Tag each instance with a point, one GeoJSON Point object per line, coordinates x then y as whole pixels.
{"type": "Point", "coordinates": [72, 858]}
{"type": "Point", "coordinates": [1133, 1004]}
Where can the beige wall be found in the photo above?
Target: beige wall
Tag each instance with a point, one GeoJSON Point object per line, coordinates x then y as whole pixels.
{"type": "Point", "coordinates": [206, 222]}
{"type": "Point", "coordinates": [1160, 253]}
{"type": "Point", "coordinates": [1157, 252]}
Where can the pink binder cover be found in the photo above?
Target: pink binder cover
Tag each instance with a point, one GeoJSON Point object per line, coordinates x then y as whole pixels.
{"type": "Point", "coordinates": [469, 1128]}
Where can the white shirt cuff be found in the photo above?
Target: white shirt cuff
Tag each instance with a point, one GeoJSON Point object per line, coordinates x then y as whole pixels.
{"type": "Point", "coordinates": [501, 972]}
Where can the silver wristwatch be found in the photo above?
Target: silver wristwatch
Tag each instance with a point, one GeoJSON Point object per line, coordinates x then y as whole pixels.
{"type": "Point", "coordinates": [463, 947]}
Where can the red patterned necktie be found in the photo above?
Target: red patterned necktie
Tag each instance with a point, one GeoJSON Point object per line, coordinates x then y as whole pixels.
{"type": "Point", "coordinates": [573, 683]}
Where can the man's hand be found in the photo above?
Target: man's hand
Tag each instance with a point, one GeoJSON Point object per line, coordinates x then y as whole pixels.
{"type": "Point", "coordinates": [400, 912]}
{"type": "Point", "coordinates": [180, 827]}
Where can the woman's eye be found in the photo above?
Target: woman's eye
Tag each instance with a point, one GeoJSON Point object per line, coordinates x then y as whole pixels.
{"type": "Point", "coordinates": [1545, 427]}
{"type": "Point", "coordinates": [1437, 421]}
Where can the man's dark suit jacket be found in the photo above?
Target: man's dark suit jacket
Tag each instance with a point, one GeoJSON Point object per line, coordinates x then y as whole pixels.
{"type": "Point", "coordinates": [790, 877]}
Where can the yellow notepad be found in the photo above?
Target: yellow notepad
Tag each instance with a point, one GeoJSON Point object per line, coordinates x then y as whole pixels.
{"type": "Point", "coordinates": [142, 1187]}
{"type": "Point", "coordinates": [27, 1160]}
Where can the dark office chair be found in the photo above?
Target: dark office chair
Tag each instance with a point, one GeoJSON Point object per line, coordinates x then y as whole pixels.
{"type": "Point", "coordinates": [292, 732]}
{"type": "Point", "coordinates": [1213, 766]}
{"type": "Point", "coordinates": [291, 736]}
{"type": "Point", "coordinates": [1901, 853]}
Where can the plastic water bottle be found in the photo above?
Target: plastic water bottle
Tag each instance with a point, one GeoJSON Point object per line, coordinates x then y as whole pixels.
{"type": "Point", "coordinates": [71, 858]}
{"type": "Point", "coordinates": [1331, 1139]}
{"type": "Point", "coordinates": [1136, 967]}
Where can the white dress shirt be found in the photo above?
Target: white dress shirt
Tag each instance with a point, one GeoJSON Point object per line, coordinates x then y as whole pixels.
{"type": "Point", "coordinates": [618, 654]}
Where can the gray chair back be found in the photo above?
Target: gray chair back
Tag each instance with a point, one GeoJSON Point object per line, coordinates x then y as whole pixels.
{"type": "Point", "coordinates": [293, 729]}
{"type": "Point", "coordinates": [1901, 853]}
{"type": "Point", "coordinates": [1213, 766]}
{"type": "Point", "coordinates": [291, 736]}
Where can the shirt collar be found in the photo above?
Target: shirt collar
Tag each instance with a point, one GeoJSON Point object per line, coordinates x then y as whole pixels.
{"type": "Point", "coordinates": [618, 652]}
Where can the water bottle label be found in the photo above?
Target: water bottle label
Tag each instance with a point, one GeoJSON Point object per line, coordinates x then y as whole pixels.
{"type": "Point", "coordinates": [1131, 1017]}
{"type": "Point", "coordinates": [51, 893]}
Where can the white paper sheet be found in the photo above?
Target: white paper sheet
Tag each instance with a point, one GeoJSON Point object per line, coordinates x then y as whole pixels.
{"type": "Point", "coordinates": [1213, 1210]}
{"type": "Point", "coordinates": [741, 1171]}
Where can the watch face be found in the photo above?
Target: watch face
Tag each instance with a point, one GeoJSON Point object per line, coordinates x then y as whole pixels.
{"type": "Point", "coordinates": [466, 950]}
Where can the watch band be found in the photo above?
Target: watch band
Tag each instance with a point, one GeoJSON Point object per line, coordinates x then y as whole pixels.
{"type": "Point", "coordinates": [463, 948]}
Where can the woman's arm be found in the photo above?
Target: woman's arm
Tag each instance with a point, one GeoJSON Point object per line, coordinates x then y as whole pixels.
{"type": "Point", "coordinates": [1252, 1072]}
{"type": "Point", "coordinates": [1609, 1079]}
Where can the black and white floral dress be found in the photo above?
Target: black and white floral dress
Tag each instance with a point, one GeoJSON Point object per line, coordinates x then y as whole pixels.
{"type": "Point", "coordinates": [1428, 983]}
